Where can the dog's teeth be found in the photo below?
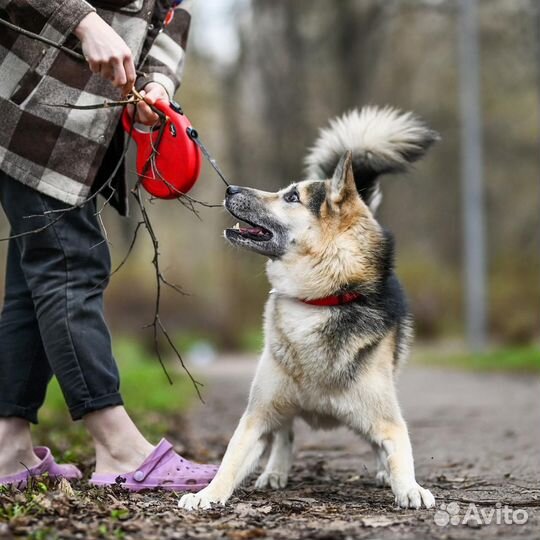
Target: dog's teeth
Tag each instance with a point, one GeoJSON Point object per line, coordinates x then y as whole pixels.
{"type": "Point", "coordinates": [237, 226]}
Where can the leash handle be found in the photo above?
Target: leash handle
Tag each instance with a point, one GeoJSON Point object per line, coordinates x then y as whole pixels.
{"type": "Point", "coordinates": [168, 161]}
{"type": "Point", "coordinates": [139, 136]}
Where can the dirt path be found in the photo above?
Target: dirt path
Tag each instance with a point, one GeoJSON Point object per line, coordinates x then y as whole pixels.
{"type": "Point", "coordinates": [476, 438]}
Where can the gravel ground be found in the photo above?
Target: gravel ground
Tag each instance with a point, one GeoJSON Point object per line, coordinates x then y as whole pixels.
{"type": "Point", "coordinates": [476, 439]}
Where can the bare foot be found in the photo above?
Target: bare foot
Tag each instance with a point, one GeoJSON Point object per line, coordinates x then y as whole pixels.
{"type": "Point", "coordinates": [17, 452]}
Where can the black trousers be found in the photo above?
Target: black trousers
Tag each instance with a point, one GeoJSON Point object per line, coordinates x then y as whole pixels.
{"type": "Point", "coordinates": [52, 319]}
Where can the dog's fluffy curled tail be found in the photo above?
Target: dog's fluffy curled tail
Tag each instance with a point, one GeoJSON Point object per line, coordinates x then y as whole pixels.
{"type": "Point", "coordinates": [383, 140]}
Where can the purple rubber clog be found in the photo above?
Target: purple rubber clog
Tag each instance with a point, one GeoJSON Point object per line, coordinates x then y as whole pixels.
{"type": "Point", "coordinates": [162, 469]}
{"type": "Point", "coordinates": [46, 466]}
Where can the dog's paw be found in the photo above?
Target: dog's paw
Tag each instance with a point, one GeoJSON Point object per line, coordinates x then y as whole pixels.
{"type": "Point", "coordinates": [382, 478]}
{"type": "Point", "coordinates": [414, 496]}
{"type": "Point", "coordinates": [274, 480]}
{"type": "Point", "coordinates": [200, 500]}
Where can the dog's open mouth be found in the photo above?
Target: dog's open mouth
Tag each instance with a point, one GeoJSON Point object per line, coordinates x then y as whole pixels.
{"type": "Point", "coordinates": [258, 230]}
{"type": "Point", "coordinates": [254, 232]}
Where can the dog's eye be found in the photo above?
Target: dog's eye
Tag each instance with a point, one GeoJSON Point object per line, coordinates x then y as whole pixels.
{"type": "Point", "coordinates": [292, 197]}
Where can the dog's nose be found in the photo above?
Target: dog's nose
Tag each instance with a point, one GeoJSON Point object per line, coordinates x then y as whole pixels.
{"type": "Point", "coordinates": [233, 190]}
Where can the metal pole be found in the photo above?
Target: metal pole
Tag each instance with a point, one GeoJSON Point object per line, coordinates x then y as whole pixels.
{"type": "Point", "coordinates": [472, 173]}
{"type": "Point", "coordinates": [535, 7]}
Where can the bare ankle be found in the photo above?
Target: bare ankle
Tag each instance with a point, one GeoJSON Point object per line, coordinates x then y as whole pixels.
{"type": "Point", "coordinates": [121, 460]}
{"type": "Point", "coordinates": [16, 443]}
{"type": "Point", "coordinates": [120, 446]}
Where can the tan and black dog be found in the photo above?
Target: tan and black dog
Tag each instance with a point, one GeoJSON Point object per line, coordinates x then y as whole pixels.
{"type": "Point", "coordinates": [336, 323]}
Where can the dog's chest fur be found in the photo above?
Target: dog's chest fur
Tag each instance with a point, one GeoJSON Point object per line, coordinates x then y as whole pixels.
{"type": "Point", "coordinates": [330, 356]}
{"type": "Point", "coordinates": [317, 348]}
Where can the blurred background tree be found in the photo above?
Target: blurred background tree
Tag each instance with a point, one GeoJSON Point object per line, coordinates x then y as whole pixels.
{"type": "Point", "coordinates": [263, 75]}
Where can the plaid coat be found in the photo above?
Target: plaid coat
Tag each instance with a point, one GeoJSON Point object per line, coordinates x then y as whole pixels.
{"type": "Point", "coordinates": [65, 153]}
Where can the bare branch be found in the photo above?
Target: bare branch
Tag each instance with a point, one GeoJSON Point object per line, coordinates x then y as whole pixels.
{"type": "Point", "coordinates": [104, 105]}
{"type": "Point", "coordinates": [34, 231]}
{"type": "Point", "coordinates": [130, 249]}
{"type": "Point", "coordinates": [157, 324]}
{"type": "Point", "coordinates": [37, 37]}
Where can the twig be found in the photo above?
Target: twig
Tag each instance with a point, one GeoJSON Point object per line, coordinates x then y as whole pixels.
{"type": "Point", "coordinates": [67, 50]}
{"type": "Point", "coordinates": [104, 105]}
{"type": "Point", "coordinates": [105, 235]}
{"type": "Point", "coordinates": [34, 231]}
{"type": "Point", "coordinates": [157, 324]}
{"type": "Point", "coordinates": [106, 184]}
{"type": "Point", "coordinates": [125, 258]}
{"type": "Point", "coordinates": [180, 194]}
{"type": "Point", "coordinates": [203, 203]}
{"type": "Point", "coordinates": [130, 249]}
{"type": "Point", "coordinates": [99, 215]}
{"type": "Point", "coordinates": [37, 37]}
{"type": "Point", "coordinates": [182, 198]}
{"type": "Point", "coordinates": [107, 201]}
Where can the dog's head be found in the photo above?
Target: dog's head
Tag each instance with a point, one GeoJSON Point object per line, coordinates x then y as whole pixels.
{"type": "Point", "coordinates": [320, 236]}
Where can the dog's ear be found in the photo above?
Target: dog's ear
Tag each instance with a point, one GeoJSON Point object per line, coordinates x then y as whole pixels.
{"type": "Point", "coordinates": [342, 185]}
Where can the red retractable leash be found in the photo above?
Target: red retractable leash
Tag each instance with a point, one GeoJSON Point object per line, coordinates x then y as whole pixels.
{"type": "Point", "coordinates": [168, 159]}
{"type": "Point", "coordinates": [169, 164]}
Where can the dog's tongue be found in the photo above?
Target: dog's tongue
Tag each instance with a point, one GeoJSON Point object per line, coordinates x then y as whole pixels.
{"type": "Point", "coordinates": [256, 231]}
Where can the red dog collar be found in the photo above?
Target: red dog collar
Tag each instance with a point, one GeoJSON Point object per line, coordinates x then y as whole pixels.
{"type": "Point", "coordinates": [337, 300]}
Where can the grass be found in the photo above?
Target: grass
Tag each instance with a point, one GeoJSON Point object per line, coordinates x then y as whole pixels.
{"type": "Point", "coordinates": [149, 398]}
{"type": "Point", "coordinates": [252, 340]}
{"type": "Point", "coordinates": [516, 359]}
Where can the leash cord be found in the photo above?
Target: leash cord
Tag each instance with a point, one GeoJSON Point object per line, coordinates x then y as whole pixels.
{"type": "Point", "coordinates": [194, 136]}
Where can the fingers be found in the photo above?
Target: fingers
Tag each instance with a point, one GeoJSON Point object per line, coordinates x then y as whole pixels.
{"type": "Point", "coordinates": [145, 115]}
{"type": "Point", "coordinates": [131, 75]}
{"type": "Point", "coordinates": [153, 93]}
{"type": "Point", "coordinates": [114, 70]}
{"type": "Point", "coordinates": [106, 71]}
{"type": "Point", "coordinates": [123, 71]}
{"type": "Point", "coordinates": [119, 79]}
{"type": "Point", "coordinates": [130, 110]}
{"type": "Point", "coordinates": [95, 66]}
{"type": "Point", "coordinates": [106, 52]}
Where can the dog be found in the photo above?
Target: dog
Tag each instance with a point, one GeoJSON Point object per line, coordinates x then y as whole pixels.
{"type": "Point", "coordinates": [337, 328]}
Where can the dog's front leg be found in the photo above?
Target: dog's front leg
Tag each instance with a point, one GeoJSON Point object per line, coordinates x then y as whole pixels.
{"type": "Point", "coordinates": [392, 438]}
{"type": "Point", "coordinates": [244, 450]}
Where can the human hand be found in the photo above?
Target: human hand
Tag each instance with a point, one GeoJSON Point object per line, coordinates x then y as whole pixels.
{"type": "Point", "coordinates": [152, 92]}
{"type": "Point", "coordinates": [106, 52]}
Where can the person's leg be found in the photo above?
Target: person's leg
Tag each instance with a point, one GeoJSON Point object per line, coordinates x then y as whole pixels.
{"type": "Point", "coordinates": [17, 450]}
{"type": "Point", "coordinates": [24, 370]}
{"type": "Point", "coordinates": [66, 267]}
{"type": "Point", "coordinates": [120, 446]}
